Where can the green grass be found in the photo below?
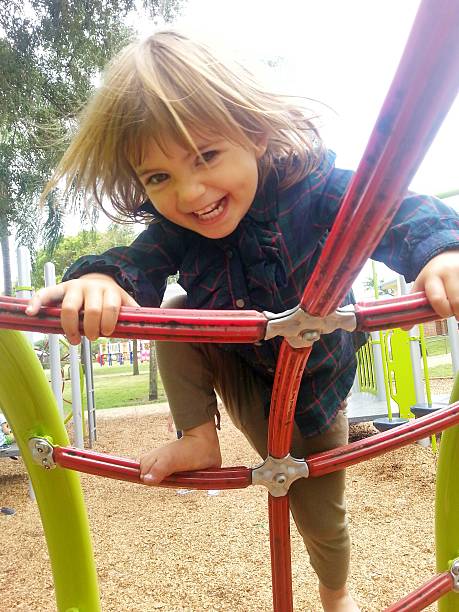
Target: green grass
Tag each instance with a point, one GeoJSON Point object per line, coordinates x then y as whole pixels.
{"type": "Point", "coordinates": [116, 386]}
{"type": "Point", "coordinates": [126, 368]}
{"type": "Point", "coordinates": [441, 371]}
{"type": "Point", "coordinates": [437, 345]}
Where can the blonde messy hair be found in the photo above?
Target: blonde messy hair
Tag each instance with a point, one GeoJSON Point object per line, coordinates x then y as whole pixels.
{"type": "Point", "coordinates": [169, 86]}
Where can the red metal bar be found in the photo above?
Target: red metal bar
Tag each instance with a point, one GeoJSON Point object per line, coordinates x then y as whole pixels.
{"type": "Point", "coordinates": [407, 310]}
{"type": "Point", "coordinates": [121, 468]}
{"type": "Point", "coordinates": [281, 565]}
{"type": "Point", "coordinates": [424, 87]}
{"type": "Point", "coordinates": [356, 452]}
{"type": "Point", "coordinates": [150, 323]}
{"type": "Point", "coordinates": [215, 326]}
{"type": "Point", "coordinates": [426, 594]}
{"type": "Point", "coordinates": [290, 367]}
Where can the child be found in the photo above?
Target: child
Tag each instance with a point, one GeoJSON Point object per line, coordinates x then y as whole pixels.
{"type": "Point", "coordinates": [242, 193]}
{"type": "Point", "coordinates": [6, 436]}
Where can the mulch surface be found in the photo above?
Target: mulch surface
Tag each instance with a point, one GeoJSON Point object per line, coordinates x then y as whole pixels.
{"type": "Point", "coordinates": [157, 550]}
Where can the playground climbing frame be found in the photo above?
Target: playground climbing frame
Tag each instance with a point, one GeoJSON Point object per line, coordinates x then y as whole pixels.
{"type": "Point", "coordinates": [424, 87]}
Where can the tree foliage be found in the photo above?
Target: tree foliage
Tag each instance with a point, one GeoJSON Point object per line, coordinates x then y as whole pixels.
{"type": "Point", "coordinates": [383, 289]}
{"type": "Point", "coordinates": [71, 248]}
{"type": "Point", "coordinates": [51, 52]}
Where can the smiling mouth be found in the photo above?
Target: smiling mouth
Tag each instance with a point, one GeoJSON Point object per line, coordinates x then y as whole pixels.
{"type": "Point", "coordinates": [212, 211]}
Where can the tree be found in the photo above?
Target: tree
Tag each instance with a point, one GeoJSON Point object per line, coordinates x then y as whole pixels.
{"type": "Point", "coordinates": [6, 264]}
{"type": "Point", "coordinates": [153, 370]}
{"type": "Point", "coordinates": [50, 57]}
{"type": "Point", "coordinates": [71, 248]}
{"type": "Point", "coordinates": [368, 283]}
{"type": "Point", "coordinates": [135, 357]}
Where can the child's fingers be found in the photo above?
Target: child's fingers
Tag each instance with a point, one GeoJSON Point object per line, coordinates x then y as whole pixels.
{"type": "Point", "coordinates": [43, 297]}
{"type": "Point", "coordinates": [440, 280]}
{"type": "Point", "coordinates": [451, 287]}
{"type": "Point", "coordinates": [93, 306]}
{"type": "Point", "coordinates": [71, 305]}
{"type": "Point", "coordinates": [127, 300]}
{"type": "Point", "coordinates": [114, 297]}
{"type": "Point", "coordinates": [110, 311]}
{"type": "Point", "coordinates": [435, 291]}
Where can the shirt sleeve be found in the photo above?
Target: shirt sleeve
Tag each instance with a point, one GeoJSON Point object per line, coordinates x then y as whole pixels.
{"type": "Point", "coordinates": [142, 268]}
{"type": "Point", "coordinates": [422, 228]}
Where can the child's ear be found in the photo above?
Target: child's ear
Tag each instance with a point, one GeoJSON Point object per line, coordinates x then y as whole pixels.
{"type": "Point", "coordinates": [261, 144]}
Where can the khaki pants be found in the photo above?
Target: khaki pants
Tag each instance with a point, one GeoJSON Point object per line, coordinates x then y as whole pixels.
{"type": "Point", "coordinates": [191, 373]}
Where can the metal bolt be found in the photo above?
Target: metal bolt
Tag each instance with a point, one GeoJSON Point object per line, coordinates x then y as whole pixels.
{"type": "Point", "coordinates": [280, 478]}
{"type": "Point", "coordinates": [41, 447]}
{"type": "Point", "coordinates": [310, 336]}
{"type": "Point", "coordinates": [455, 568]}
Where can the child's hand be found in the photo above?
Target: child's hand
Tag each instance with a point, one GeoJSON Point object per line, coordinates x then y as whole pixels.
{"type": "Point", "coordinates": [197, 449]}
{"type": "Point", "coordinates": [440, 280]}
{"type": "Point", "coordinates": [99, 295]}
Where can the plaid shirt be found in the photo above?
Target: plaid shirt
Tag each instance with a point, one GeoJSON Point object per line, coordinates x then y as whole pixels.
{"type": "Point", "coordinates": [265, 264]}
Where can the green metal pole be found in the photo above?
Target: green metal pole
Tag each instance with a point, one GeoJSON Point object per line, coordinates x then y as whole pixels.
{"type": "Point", "coordinates": [385, 357]}
{"type": "Point", "coordinates": [448, 194]}
{"type": "Point", "coordinates": [382, 344]}
{"type": "Point", "coordinates": [447, 505]}
{"type": "Point", "coordinates": [425, 364]}
{"type": "Point", "coordinates": [30, 409]}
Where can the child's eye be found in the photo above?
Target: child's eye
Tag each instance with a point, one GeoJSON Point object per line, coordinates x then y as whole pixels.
{"type": "Point", "coordinates": [208, 156]}
{"type": "Point", "coordinates": [156, 179]}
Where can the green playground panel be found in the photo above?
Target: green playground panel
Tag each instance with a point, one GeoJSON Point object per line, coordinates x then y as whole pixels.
{"type": "Point", "coordinates": [366, 368]}
{"type": "Point", "coordinates": [447, 505]}
{"type": "Point", "coordinates": [399, 371]}
{"type": "Point", "coordinates": [29, 406]}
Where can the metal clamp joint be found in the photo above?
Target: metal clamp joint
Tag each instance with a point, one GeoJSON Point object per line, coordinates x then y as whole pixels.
{"type": "Point", "coordinates": [301, 329]}
{"type": "Point", "coordinates": [278, 474]}
{"type": "Point", "coordinates": [454, 569]}
{"type": "Point", "coordinates": [42, 452]}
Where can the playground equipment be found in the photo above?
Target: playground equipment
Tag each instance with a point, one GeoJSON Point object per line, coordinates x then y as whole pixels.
{"type": "Point", "coordinates": [389, 369]}
{"type": "Point", "coordinates": [402, 135]}
{"type": "Point", "coordinates": [392, 386]}
{"type": "Point", "coordinates": [119, 352]}
{"type": "Point", "coordinates": [76, 370]}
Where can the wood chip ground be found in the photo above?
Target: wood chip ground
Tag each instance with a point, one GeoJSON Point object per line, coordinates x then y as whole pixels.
{"type": "Point", "coordinates": [157, 550]}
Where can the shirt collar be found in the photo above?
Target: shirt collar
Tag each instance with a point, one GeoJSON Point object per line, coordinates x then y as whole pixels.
{"type": "Point", "coordinates": [265, 204]}
{"type": "Point", "coordinates": [148, 208]}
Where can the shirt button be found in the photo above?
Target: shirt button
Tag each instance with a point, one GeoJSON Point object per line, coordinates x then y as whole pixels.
{"type": "Point", "coordinates": [240, 303]}
{"type": "Point", "coordinates": [229, 253]}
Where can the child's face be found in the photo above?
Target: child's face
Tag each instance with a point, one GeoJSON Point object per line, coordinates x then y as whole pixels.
{"type": "Point", "coordinates": [209, 199]}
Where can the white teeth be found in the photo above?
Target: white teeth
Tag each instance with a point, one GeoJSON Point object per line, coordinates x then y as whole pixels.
{"type": "Point", "coordinates": [211, 211]}
{"type": "Point", "coordinates": [207, 209]}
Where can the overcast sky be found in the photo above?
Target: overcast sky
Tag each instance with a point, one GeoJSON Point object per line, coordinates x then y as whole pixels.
{"type": "Point", "coordinates": [343, 54]}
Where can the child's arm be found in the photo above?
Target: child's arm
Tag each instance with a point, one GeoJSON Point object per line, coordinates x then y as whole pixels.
{"type": "Point", "coordinates": [99, 295]}
{"type": "Point", "coordinates": [197, 449]}
{"type": "Point", "coordinates": [439, 278]}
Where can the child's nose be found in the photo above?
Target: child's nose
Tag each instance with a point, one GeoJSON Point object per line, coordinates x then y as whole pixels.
{"type": "Point", "coordinates": [190, 191]}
